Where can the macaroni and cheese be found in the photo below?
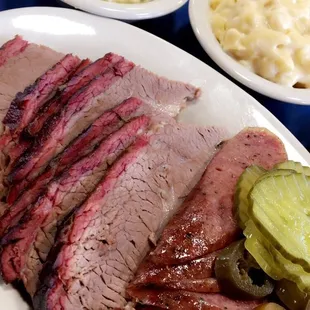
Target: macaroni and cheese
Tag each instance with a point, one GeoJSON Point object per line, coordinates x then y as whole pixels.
{"type": "Point", "coordinates": [270, 37]}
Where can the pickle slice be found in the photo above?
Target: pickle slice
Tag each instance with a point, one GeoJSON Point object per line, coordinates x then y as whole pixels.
{"type": "Point", "coordinates": [272, 261]}
{"type": "Point", "coordinates": [256, 246]}
{"type": "Point", "coordinates": [293, 165]}
{"type": "Point", "coordinates": [244, 186]}
{"type": "Point", "coordinates": [275, 172]}
{"type": "Point", "coordinates": [247, 180]}
{"type": "Point", "coordinates": [280, 208]}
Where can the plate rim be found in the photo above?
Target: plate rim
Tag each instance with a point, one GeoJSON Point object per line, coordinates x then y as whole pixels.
{"type": "Point", "coordinates": [211, 46]}
{"type": "Point", "coordinates": [129, 12]}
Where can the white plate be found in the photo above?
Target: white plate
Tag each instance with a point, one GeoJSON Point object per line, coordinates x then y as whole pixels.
{"type": "Point", "coordinates": [123, 11]}
{"type": "Point", "coordinates": [222, 103]}
{"type": "Point", "coordinates": [199, 13]}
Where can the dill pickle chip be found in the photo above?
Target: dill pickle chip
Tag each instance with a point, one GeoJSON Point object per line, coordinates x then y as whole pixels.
{"type": "Point", "coordinates": [275, 172]}
{"type": "Point", "coordinates": [272, 261]}
{"type": "Point", "coordinates": [244, 186]}
{"type": "Point", "coordinates": [259, 250]}
{"type": "Point", "coordinates": [293, 165]}
{"type": "Point", "coordinates": [280, 208]}
{"type": "Point", "coordinates": [247, 180]}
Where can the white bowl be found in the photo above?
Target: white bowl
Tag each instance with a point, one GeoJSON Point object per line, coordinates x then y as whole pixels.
{"type": "Point", "coordinates": [199, 12]}
{"type": "Point", "coordinates": [122, 11]}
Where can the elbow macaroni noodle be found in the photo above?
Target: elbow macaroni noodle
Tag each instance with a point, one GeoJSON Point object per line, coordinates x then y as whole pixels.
{"type": "Point", "coordinates": [270, 37]}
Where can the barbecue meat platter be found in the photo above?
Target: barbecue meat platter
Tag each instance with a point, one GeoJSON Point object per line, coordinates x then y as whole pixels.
{"type": "Point", "coordinates": [109, 202]}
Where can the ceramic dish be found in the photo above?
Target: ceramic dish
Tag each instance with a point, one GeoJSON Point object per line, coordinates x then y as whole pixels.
{"type": "Point", "coordinates": [222, 103]}
{"type": "Point", "coordinates": [122, 11]}
{"type": "Point", "coordinates": [200, 20]}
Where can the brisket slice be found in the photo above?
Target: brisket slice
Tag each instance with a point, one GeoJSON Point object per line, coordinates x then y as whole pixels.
{"type": "Point", "coordinates": [84, 63]}
{"type": "Point", "coordinates": [81, 79]}
{"type": "Point", "coordinates": [110, 233]}
{"type": "Point", "coordinates": [196, 276]}
{"type": "Point", "coordinates": [83, 227]}
{"type": "Point", "coordinates": [26, 246]}
{"type": "Point", "coordinates": [158, 92]}
{"type": "Point", "coordinates": [78, 81]}
{"type": "Point", "coordinates": [12, 48]}
{"type": "Point", "coordinates": [108, 123]}
{"type": "Point", "coordinates": [17, 73]}
{"type": "Point", "coordinates": [66, 125]}
{"type": "Point", "coordinates": [183, 300]}
{"type": "Point", "coordinates": [82, 145]}
{"type": "Point", "coordinates": [51, 107]}
{"type": "Point", "coordinates": [53, 295]}
{"type": "Point", "coordinates": [95, 133]}
{"type": "Point", "coordinates": [22, 70]}
{"type": "Point", "coordinates": [26, 104]}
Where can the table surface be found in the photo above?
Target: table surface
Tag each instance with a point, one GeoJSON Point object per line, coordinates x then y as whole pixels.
{"type": "Point", "coordinates": [175, 28]}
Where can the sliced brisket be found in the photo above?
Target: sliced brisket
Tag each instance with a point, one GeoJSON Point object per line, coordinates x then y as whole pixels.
{"type": "Point", "coordinates": [26, 104]}
{"type": "Point", "coordinates": [31, 240]}
{"type": "Point", "coordinates": [169, 96]}
{"type": "Point", "coordinates": [22, 70]}
{"type": "Point", "coordinates": [110, 233]}
{"type": "Point", "coordinates": [157, 92]}
{"type": "Point", "coordinates": [85, 143]}
{"type": "Point", "coordinates": [16, 74]}
{"type": "Point", "coordinates": [53, 105]}
{"type": "Point", "coordinates": [82, 77]}
{"type": "Point", "coordinates": [80, 111]}
{"type": "Point", "coordinates": [12, 48]}
{"type": "Point", "coordinates": [108, 123]}
{"type": "Point", "coordinates": [84, 63]}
